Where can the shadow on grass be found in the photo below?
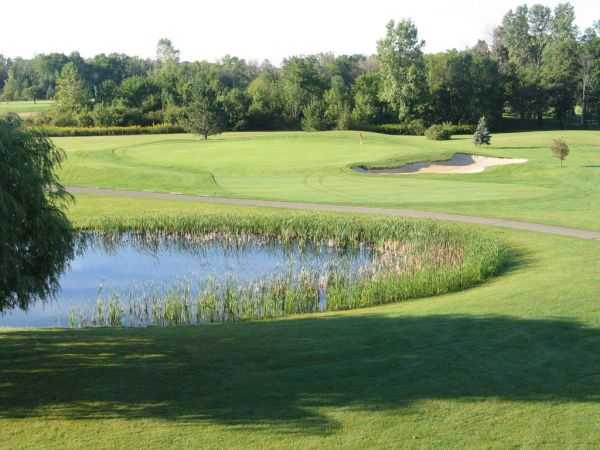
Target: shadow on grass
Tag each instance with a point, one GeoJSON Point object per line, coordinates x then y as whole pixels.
{"type": "Point", "coordinates": [525, 147]}
{"type": "Point", "coordinates": [279, 374]}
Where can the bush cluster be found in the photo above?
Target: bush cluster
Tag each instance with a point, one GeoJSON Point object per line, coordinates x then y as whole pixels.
{"type": "Point", "coordinates": [412, 128]}
{"type": "Point", "coordinates": [105, 116]}
{"type": "Point", "coordinates": [440, 132]}
{"type": "Point", "coordinates": [416, 128]}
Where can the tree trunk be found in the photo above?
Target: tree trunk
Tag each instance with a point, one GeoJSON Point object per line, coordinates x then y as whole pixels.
{"type": "Point", "coordinates": [206, 135]}
{"type": "Point", "coordinates": [583, 102]}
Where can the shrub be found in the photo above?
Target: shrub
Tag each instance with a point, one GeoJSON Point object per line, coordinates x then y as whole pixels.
{"type": "Point", "coordinates": [463, 128]}
{"type": "Point", "coordinates": [417, 127]}
{"type": "Point", "coordinates": [43, 118]}
{"type": "Point", "coordinates": [397, 129]}
{"type": "Point", "coordinates": [439, 132]}
{"type": "Point", "coordinates": [85, 119]}
{"type": "Point", "coordinates": [63, 120]}
{"type": "Point", "coordinates": [414, 128]}
{"type": "Point", "coordinates": [106, 115]}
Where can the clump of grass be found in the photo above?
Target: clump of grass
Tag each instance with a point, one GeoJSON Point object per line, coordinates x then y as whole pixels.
{"type": "Point", "coordinates": [412, 259]}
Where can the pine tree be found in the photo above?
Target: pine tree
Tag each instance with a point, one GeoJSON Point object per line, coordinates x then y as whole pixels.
{"type": "Point", "coordinates": [482, 135]}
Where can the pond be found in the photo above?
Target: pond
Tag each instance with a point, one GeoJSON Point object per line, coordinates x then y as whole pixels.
{"type": "Point", "coordinates": [143, 271]}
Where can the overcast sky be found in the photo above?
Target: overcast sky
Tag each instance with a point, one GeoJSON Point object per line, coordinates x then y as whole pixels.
{"type": "Point", "coordinates": [251, 29]}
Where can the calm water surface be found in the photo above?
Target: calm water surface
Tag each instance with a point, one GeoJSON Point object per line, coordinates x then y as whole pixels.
{"type": "Point", "coordinates": [129, 265]}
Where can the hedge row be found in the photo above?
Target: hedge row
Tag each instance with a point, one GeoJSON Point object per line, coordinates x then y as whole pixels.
{"type": "Point", "coordinates": [415, 128]}
{"type": "Point", "coordinates": [54, 131]}
{"type": "Point", "coordinates": [399, 129]}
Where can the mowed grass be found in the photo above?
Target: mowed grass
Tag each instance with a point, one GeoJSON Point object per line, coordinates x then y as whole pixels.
{"type": "Point", "coordinates": [314, 167]}
{"type": "Point", "coordinates": [26, 108]}
{"type": "Point", "coordinates": [512, 363]}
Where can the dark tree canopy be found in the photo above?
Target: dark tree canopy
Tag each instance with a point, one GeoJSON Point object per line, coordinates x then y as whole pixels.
{"type": "Point", "coordinates": [36, 237]}
{"type": "Point", "coordinates": [540, 69]}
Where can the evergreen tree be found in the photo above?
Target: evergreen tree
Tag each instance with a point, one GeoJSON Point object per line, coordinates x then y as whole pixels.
{"type": "Point", "coordinates": [482, 135]}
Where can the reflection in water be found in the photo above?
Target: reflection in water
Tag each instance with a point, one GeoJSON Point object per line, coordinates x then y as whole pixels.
{"type": "Point", "coordinates": [140, 268]}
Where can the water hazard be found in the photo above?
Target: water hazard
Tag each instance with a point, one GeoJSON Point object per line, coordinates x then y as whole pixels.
{"type": "Point", "coordinates": [142, 271]}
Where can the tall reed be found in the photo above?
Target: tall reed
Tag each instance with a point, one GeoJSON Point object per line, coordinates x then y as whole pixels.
{"type": "Point", "coordinates": [412, 259]}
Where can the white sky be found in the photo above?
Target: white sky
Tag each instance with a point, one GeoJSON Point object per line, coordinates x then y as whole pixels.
{"type": "Point", "coordinates": [251, 29]}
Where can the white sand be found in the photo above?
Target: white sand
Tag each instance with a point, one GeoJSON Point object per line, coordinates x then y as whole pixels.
{"type": "Point", "coordinates": [460, 163]}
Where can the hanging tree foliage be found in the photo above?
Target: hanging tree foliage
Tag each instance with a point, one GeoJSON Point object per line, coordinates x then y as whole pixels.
{"type": "Point", "coordinates": [36, 236]}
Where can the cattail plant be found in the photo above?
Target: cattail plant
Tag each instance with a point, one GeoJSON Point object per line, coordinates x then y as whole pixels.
{"type": "Point", "coordinates": [402, 259]}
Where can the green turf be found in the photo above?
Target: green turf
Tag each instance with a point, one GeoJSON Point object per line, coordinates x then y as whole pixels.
{"type": "Point", "coordinates": [513, 363]}
{"type": "Point", "coordinates": [314, 167]}
{"type": "Point", "coordinates": [26, 108]}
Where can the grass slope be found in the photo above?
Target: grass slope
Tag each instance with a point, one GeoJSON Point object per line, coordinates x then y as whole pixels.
{"type": "Point", "coordinates": [511, 363]}
{"type": "Point", "coordinates": [315, 167]}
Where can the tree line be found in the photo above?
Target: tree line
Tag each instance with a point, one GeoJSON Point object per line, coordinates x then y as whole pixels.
{"type": "Point", "coordinates": [539, 67]}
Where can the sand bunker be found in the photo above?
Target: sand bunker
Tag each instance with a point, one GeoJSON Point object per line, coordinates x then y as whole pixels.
{"type": "Point", "coordinates": [460, 163]}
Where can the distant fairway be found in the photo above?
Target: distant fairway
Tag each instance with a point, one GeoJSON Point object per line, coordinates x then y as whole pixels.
{"type": "Point", "coordinates": [315, 168]}
{"type": "Point", "coordinates": [26, 108]}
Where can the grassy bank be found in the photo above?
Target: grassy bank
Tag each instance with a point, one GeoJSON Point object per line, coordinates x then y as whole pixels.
{"type": "Point", "coordinates": [512, 363]}
{"type": "Point", "coordinates": [315, 167]}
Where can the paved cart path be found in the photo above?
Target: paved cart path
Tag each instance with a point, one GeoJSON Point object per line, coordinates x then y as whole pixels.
{"type": "Point", "coordinates": [392, 212]}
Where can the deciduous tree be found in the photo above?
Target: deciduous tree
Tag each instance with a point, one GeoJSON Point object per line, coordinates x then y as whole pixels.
{"type": "Point", "coordinates": [560, 150]}
{"type": "Point", "coordinates": [203, 113]}
{"type": "Point", "coordinates": [72, 95]}
{"type": "Point", "coordinates": [404, 82]}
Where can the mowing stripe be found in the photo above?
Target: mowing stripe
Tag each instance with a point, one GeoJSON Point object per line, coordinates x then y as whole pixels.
{"type": "Point", "coordinates": [392, 212]}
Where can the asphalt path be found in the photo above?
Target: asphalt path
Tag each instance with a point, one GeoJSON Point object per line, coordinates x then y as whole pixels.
{"type": "Point", "coordinates": [391, 212]}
